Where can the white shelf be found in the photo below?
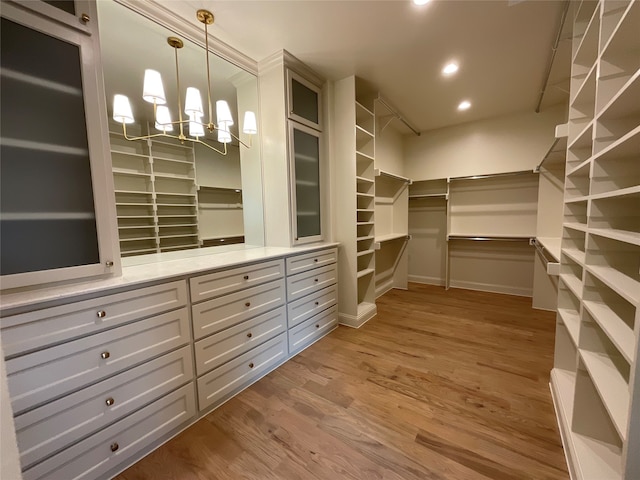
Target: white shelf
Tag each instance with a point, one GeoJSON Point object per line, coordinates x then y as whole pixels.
{"type": "Point", "coordinates": [132, 173]}
{"type": "Point", "coordinates": [364, 252]}
{"type": "Point", "coordinates": [617, 193]}
{"type": "Point", "coordinates": [572, 283]}
{"type": "Point", "coordinates": [565, 383]}
{"type": "Point", "coordinates": [390, 237]}
{"type": "Point", "coordinates": [428, 195]}
{"type": "Point", "coordinates": [24, 216]}
{"type": "Point", "coordinates": [134, 192]}
{"type": "Point", "coordinates": [620, 235]}
{"type": "Point", "coordinates": [366, 237]}
{"type": "Point", "coordinates": [614, 327]}
{"type": "Point", "coordinates": [362, 107]}
{"type": "Point", "coordinates": [172, 160]}
{"type": "Point", "coordinates": [362, 224]}
{"type": "Point", "coordinates": [575, 255]}
{"type": "Point", "coordinates": [184, 235]}
{"type": "Point", "coordinates": [364, 273]}
{"type": "Point", "coordinates": [391, 176]}
{"type": "Point", "coordinates": [597, 460]}
{"type": "Point", "coordinates": [130, 154]}
{"type": "Point", "coordinates": [174, 176]}
{"type": "Point", "coordinates": [362, 135]}
{"type": "Point", "coordinates": [626, 287]}
{"type": "Point", "coordinates": [365, 195]}
{"type": "Point", "coordinates": [175, 194]}
{"type": "Point", "coordinates": [364, 180]}
{"type": "Point", "coordinates": [571, 320]}
{"type": "Point", "coordinates": [179, 225]}
{"type": "Point", "coordinates": [552, 245]}
{"type": "Point", "coordinates": [613, 389]}
{"type": "Point", "coordinates": [135, 227]}
{"type": "Point", "coordinates": [581, 227]}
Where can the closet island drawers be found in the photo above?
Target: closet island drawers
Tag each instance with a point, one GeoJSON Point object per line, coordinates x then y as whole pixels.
{"type": "Point", "coordinates": [307, 261]}
{"type": "Point", "coordinates": [219, 384]}
{"type": "Point", "coordinates": [99, 453]}
{"type": "Point", "coordinates": [310, 281]}
{"type": "Point", "coordinates": [37, 329]}
{"type": "Point", "coordinates": [44, 375]}
{"type": "Point", "coordinates": [51, 427]}
{"type": "Point", "coordinates": [312, 329]}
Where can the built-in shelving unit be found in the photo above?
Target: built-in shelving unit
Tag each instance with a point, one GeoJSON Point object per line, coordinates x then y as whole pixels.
{"type": "Point", "coordinates": [595, 377]}
{"type": "Point", "coordinates": [156, 195]}
{"type": "Point", "coordinates": [356, 192]}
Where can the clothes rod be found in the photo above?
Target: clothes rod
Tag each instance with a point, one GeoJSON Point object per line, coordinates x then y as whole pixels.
{"type": "Point", "coordinates": [395, 113]}
{"type": "Point", "coordinates": [490, 238]}
{"type": "Point", "coordinates": [492, 175]}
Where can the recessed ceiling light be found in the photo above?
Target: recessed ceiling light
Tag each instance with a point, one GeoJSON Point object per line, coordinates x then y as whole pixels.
{"type": "Point", "coordinates": [421, 2]}
{"type": "Point", "coordinates": [464, 105]}
{"type": "Point", "coordinates": [449, 69]}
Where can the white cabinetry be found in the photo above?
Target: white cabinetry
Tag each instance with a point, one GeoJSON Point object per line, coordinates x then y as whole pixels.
{"type": "Point", "coordinates": [595, 380]}
{"type": "Point", "coordinates": [59, 224]}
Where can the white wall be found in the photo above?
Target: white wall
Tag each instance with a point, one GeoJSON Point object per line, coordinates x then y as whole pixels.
{"type": "Point", "coordinates": [504, 144]}
{"type": "Point", "coordinates": [389, 149]}
{"type": "Point", "coordinates": [215, 170]}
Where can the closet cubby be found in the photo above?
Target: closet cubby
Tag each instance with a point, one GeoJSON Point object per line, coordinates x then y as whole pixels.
{"type": "Point", "coordinates": [566, 351]}
{"type": "Point", "coordinates": [619, 116]}
{"type": "Point", "coordinates": [575, 215]}
{"type": "Point", "coordinates": [580, 141]}
{"type": "Point", "coordinates": [586, 51]}
{"type": "Point", "coordinates": [581, 108]}
{"type": "Point", "coordinates": [577, 182]}
{"type": "Point", "coordinates": [569, 311]}
{"type": "Point", "coordinates": [612, 12]}
{"type": "Point", "coordinates": [615, 168]}
{"type": "Point", "coordinates": [614, 314]}
{"type": "Point", "coordinates": [616, 217]}
{"type": "Point", "coordinates": [220, 215]}
{"type": "Point", "coordinates": [437, 188]}
{"type": "Point", "coordinates": [571, 273]}
{"type": "Point", "coordinates": [595, 441]}
{"type": "Point", "coordinates": [616, 263]}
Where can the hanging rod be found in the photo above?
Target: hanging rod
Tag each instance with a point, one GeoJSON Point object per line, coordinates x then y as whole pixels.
{"type": "Point", "coordinates": [489, 238]}
{"type": "Point", "coordinates": [554, 50]}
{"type": "Point", "coordinates": [506, 174]}
{"type": "Point", "coordinates": [551, 265]}
{"type": "Point", "coordinates": [395, 113]}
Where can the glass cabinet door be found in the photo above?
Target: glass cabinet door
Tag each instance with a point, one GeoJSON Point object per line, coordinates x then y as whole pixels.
{"type": "Point", "coordinates": [48, 218]}
{"type": "Point", "coordinates": [305, 172]}
{"type": "Point", "coordinates": [304, 101]}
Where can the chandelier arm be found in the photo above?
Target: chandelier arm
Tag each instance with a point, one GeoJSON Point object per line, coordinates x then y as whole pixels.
{"type": "Point", "coordinates": [143, 137]}
{"type": "Point", "coordinates": [180, 121]}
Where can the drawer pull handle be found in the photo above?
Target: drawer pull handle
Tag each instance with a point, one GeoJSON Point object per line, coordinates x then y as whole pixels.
{"type": "Point", "coordinates": [249, 335]}
{"type": "Point", "coordinates": [101, 314]}
{"type": "Point", "coordinates": [248, 304]}
{"type": "Point", "coordinates": [315, 280]}
{"type": "Point", "coordinates": [105, 355]}
{"type": "Point", "coordinates": [251, 365]}
{"type": "Point", "coordinates": [109, 401]}
{"type": "Point", "coordinates": [315, 260]}
{"type": "Point", "coordinates": [317, 326]}
{"type": "Point", "coordinates": [114, 446]}
{"type": "Point", "coordinates": [85, 18]}
{"type": "Point", "coordinates": [317, 303]}
{"type": "Point", "coordinates": [246, 277]}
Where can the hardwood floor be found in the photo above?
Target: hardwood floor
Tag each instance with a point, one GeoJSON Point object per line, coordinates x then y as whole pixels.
{"type": "Point", "coordinates": [440, 385]}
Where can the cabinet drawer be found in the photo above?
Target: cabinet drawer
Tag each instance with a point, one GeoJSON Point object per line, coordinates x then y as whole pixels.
{"type": "Point", "coordinates": [221, 347]}
{"type": "Point", "coordinates": [55, 425]}
{"type": "Point", "coordinates": [224, 312]}
{"type": "Point", "coordinates": [240, 372]}
{"type": "Point", "coordinates": [227, 281]}
{"type": "Point", "coordinates": [96, 455]}
{"type": "Point", "coordinates": [302, 263]}
{"type": "Point", "coordinates": [42, 376]}
{"type": "Point", "coordinates": [311, 305]}
{"type": "Point", "coordinates": [312, 329]}
{"type": "Point", "coordinates": [311, 281]}
{"type": "Point", "coordinates": [32, 330]}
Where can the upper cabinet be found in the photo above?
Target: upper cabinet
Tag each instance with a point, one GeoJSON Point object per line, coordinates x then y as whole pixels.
{"type": "Point", "coordinates": [304, 103]}
{"type": "Point", "coordinates": [56, 209]}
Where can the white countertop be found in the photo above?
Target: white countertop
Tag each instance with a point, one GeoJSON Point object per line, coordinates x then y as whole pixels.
{"type": "Point", "coordinates": [134, 274]}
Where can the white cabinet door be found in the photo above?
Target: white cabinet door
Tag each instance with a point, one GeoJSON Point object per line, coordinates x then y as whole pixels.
{"type": "Point", "coordinates": [57, 216]}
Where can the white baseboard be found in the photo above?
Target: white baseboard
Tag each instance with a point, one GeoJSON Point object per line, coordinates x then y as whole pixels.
{"type": "Point", "coordinates": [382, 289]}
{"type": "Point", "coordinates": [354, 321]}
{"type": "Point", "coordinates": [427, 280]}
{"type": "Point", "coordinates": [493, 288]}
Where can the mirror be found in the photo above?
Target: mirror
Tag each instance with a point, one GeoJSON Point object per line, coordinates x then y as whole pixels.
{"type": "Point", "coordinates": [173, 196]}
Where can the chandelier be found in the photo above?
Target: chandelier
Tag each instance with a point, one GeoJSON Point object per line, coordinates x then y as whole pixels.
{"type": "Point", "coordinates": [153, 92]}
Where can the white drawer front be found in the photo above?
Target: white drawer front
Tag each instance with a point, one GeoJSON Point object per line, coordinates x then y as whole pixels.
{"type": "Point", "coordinates": [227, 281]}
{"type": "Point", "coordinates": [220, 313]}
{"type": "Point", "coordinates": [302, 263]}
{"type": "Point", "coordinates": [55, 425]}
{"type": "Point", "coordinates": [221, 347]}
{"type": "Point", "coordinates": [96, 455]}
{"type": "Point", "coordinates": [240, 372]}
{"type": "Point", "coordinates": [311, 281]}
{"type": "Point", "coordinates": [37, 329]}
{"type": "Point", "coordinates": [42, 376]}
{"type": "Point", "coordinates": [312, 329]}
{"type": "Point", "coordinates": [311, 305]}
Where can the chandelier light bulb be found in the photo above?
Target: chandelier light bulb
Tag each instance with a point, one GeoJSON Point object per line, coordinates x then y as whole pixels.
{"type": "Point", "coordinates": [122, 109]}
{"type": "Point", "coordinates": [196, 129]}
{"type": "Point", "coordinates": [163, 119]}
{"type": "Point", "coordinates": [223, 113]}
{"type": "Point", "coordinates": [153, 91]}
{"type": "Point", "coordinates": [224, 136]}
{"type": "Point", "coordinates": [193, 102]}
{"type": "Point", "coordinates": [250, 126]}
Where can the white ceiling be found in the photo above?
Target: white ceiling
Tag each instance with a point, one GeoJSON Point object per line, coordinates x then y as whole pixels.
{"type": "Point", "coordinates": [502, 46]}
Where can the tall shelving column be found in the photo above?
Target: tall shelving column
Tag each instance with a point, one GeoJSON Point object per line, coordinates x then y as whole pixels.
{"type": "Point", "coordinates": [175, 190]}
{"type": "Point", "coordinates": [353, 138]}
{"type": "Point", "coordinates": [595, 380]}
{"type": "Point", "coordinates": [135, 204]}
